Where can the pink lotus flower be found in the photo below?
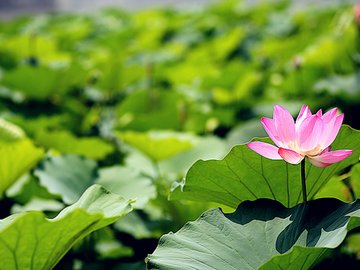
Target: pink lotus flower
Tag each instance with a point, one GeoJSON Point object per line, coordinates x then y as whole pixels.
{"type": "Point", "coordinates": [310, 136]}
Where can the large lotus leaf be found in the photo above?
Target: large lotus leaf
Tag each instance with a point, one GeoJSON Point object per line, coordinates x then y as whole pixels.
{"type": "Point", "coordinates": [335, 188]}
{"type": "Point", "coordinates": [67, 143]}
{"type": "Point", "coordinates": [68, 176]}
{"type": "Point", "coordinates": [259, 234]}
{"type": "Point", "coordinates": [16, 158]}
{"type": "Point", "coordinates": [245, 175]}
{"type": "Point", "coordinates": [128, 183]}
{"type": "Point", "coordinates": [157, 145]}
{"type": "Point", "coordinates": [30, 241]}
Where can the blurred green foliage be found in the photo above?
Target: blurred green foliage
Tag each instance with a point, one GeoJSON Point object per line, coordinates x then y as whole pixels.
{"type": "Point", "coordinates": [131, 100]}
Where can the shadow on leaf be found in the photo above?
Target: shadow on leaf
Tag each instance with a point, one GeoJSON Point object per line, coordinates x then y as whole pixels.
{"type": "Point", "coordinates": [310, 219]}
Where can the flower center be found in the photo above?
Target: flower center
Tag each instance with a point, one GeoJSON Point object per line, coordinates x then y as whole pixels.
{"type": "Point", "coordinates": [294, 146]}
{"type": "Point", "coordinates": [314, 152]}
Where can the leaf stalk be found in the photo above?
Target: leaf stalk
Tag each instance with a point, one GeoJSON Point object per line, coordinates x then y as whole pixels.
{"type": "Point", "coordinates": [303, 180]}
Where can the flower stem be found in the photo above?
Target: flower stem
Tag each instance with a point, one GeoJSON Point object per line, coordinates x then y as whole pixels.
{"type": "Point", "coordinates": [303, 180]}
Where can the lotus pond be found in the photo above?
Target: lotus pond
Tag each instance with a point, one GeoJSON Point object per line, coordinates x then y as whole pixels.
{"type": "Point", "coordinates": [124, 139]}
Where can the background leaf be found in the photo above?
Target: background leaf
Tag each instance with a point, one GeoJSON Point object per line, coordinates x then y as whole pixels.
{"type": "Point", "coordinates": [36, 82]}
{"type": "Point", "coordinates": [157, 145]}
{"type": "Point", "coordinates": [181, 162]}
{"type": "Point", "coordinates": [65, 142]}
{"type": "Point", "coordinates": [128, 183]}
{"type": "Point", "coordinates": [68, 176]}
{"type": "Point", "coordinates": [16, 158]}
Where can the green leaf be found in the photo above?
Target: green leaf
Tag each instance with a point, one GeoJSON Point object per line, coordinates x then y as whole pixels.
{"type": "Point", "coordinates": [28, 188]}
{"type": "Point", "coordinates": [327, 52]}
{"type": "Point", "coordinates": [136, 225]}
{"type": "Point", "coordinates": [178, 164]}
{"type": "Point", "coordinates": [31, 241]}
{"type": "Point", "coordinates": [65, 142]}
{"type": "Point", "coordinates": [23, 45]}
{"type": "Point", "coordinates": [68, 176]}
{"type": "Point", "coordinates": [261, 234]}
{"type": "Point", "coordinates": [224, 45]}
{"type": "Point", "coordinates": [35, 82]}
{"type": "Point", "coordinates": [128, 183]}
{"type": "Point", "coordinates": [334, 188]}
{"type": "Point", "coordinates": [245, 175]}
{"type": "Point", "coordinates": [10, 132]}
{"type": "Point", "coordinates": [181, 162]}
{"type": "Point", "coordinates": [157, 145]}
{"type": "Point", "coordinates": [355, 179]}
{"type": "Point", "coordinates": [43, 81]}
{"type": "Point", "coordinates": [16, 158]}
{"type": "Point", "coordinates": [154, 109]}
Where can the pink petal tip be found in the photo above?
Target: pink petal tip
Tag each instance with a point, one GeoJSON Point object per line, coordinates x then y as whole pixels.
{"type": "Point", "coordinates": [328, 158]}
{"type": "Point", "coordinates": [265, 149]}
